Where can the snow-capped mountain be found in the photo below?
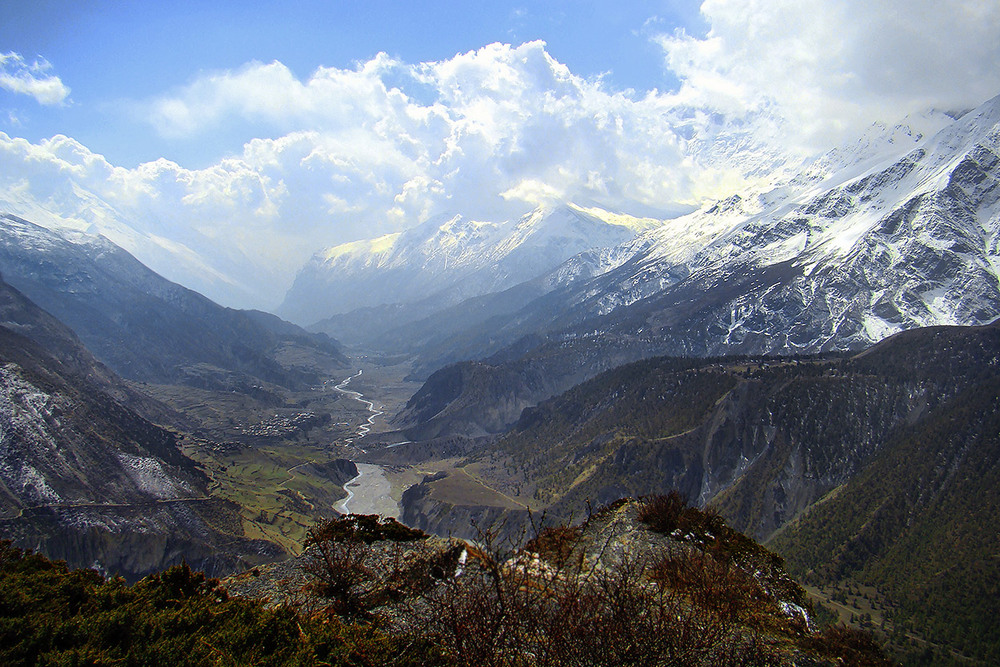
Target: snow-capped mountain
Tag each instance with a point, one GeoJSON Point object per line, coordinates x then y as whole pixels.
{"type": "Point", "coordinates": [66, 206]}
{"type": "Point", "coordinates": [835, 259]}
{"type": "Point", "coordinates": [868, 250]}
{"type": "Point", "coordinates": [667, 252]}
{"type": "Point", "coordinates": [451, 260]}
{"type": "Point", "coordinates": [694, 284]}
{"type": "Point", "coordinates": [899, 231]}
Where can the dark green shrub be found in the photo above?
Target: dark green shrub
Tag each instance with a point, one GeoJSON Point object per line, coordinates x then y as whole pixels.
{"type": "Point", "coordinates": [56, 616]}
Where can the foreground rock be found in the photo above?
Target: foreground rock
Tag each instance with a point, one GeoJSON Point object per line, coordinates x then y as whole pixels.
{"type": "Point", "coordinates": [639, 582]}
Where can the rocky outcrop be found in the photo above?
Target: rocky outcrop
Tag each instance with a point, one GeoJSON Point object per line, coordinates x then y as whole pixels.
{"type": "Point", "coordinates": [337, 471]}
{"type": "Point", "coordinates": [630, 584]}
{"type": "Point", "coordinates": [468, 521]}
{"type": "Point", "coordinates": [135, 540]}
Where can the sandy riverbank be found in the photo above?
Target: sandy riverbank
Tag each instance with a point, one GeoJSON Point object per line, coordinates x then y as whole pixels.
{"type": "Point", "coordinates": [369, 493]}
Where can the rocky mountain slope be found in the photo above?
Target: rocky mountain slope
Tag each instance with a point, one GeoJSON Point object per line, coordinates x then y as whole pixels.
{"type": "Point", "coordinates": [875, 467]}
{"type": "Point", "coordinates": [854, 249]}
{"type": "Point", "coordinates": [486, 397]}
{"type": "Point", "coordinates": [87, 479]}
{"type": "Point", "coordinates": [762, 437]}
{"type": "Point", "coordinates": [21, 316]}
{"type": "Point", "coordinates": [917, 523]}
{"type": "Point", "coordinates": [143, 326]}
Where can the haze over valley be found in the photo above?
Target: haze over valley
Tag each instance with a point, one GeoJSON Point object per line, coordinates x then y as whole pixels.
{"type": "Point", "coordinates": [519, 275]}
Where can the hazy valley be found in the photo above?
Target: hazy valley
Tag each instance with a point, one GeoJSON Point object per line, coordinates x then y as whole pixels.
{"type": "Point", "coordinates": [816, 359]}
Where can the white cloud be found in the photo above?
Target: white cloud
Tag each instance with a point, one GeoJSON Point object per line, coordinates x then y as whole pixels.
{"type": "Point", "coordinates": [361, 152]}
{"type": "Point", "coordinates": [345, 154]}
{"type": "Point", "coordinates": [828, 69]}
{"type": "Point", "coordinates": [271, 95]}
{"type": "Point", "coordinates": [18, 76]}
{"type": "Point", "coordinates": [383, 146]}
{"type": "Point", "coordinates": [483, 123]}
{"type": "Point", "coordinates": [162, 213]}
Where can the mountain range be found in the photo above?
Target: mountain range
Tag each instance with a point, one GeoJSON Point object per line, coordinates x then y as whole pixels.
{"type": "Point", "coordinates": [858, 245]}
{"type": "Point", "coordinates": [143, 326]}
{"type": "Point", "coordinates": [848, 252]}
{"type": "Point", "coordinates": [84, 476]}
{"type": "Point", "coordinates": [815, 356]}
{"type": "Point", "coordinates": [353, 291]}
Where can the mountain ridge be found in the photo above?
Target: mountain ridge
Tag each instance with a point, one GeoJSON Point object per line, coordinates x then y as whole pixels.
{"type": "Point", "coordinates": [86, 477]}
{"type": "Point", "coordinates": [449, 260]}
{"type": "Point", "coordinates": [141, 325]}
{"type": "Point", "coordinates": [840, 262]}
{"type": "Point", "coordinates": [875, 468]}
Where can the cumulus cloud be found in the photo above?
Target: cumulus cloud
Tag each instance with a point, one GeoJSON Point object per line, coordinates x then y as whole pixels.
{"type": "Point", "coordinates": [34, 79]}
{"type": "Point", "coordinates": [354, 153]}
{"type": "Point", "coordinates": [829, 68]}
{"type": "Point", "coordinates": [489, 134]}
{"type": "Point", "coordinates": [344, 154]}
{"type": "Point", "coordinates": [271, 94]}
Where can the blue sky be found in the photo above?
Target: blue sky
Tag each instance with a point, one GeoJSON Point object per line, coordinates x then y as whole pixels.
{"type": "Point", "coordinates": [113, 53]}
{"type": "Point", "coordinates": [225, 146]}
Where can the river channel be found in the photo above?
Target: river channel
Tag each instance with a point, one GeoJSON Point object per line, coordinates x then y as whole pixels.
{"type": "Point", "coordinates": [368, 493]}
{"type": "Point", "coordinates": [365, 428]}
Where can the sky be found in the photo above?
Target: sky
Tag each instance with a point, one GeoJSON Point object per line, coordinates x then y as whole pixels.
{"type": "Point", "coordinates": [224, 143]}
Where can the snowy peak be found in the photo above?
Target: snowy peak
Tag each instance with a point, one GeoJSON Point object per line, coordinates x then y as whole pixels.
{"type": "Point", "coordinates": [896, 230]}
{"type": "Point", "coordinates": [73, 210]}
{"type": "Point", "coordinates": [832, 259]}
{"type": "Point", "coordinates": [573, 226]}
{"type": "Point", "coordinates": [436, 244]}
{"type": "Point", "coordinates": [976, 127]}
{"type": "Point", "coordinates": [458, 241]}
{"type": "Point", "coordinates": [455, 258]}
{"type": "Point", "coordinates": [880, 144]}
{"type": "Point", "coordinates": [878, 246]}
{"type": "Point", "coordinates": [372, 250]}
{"type": "Point", "coordinates": [28, 235]}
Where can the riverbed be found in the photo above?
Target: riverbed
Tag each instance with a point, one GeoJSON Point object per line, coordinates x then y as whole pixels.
{"type": "Point", "coordinates": [368, 493]}
{"type": "Point", "coordinates": [366, 427]}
